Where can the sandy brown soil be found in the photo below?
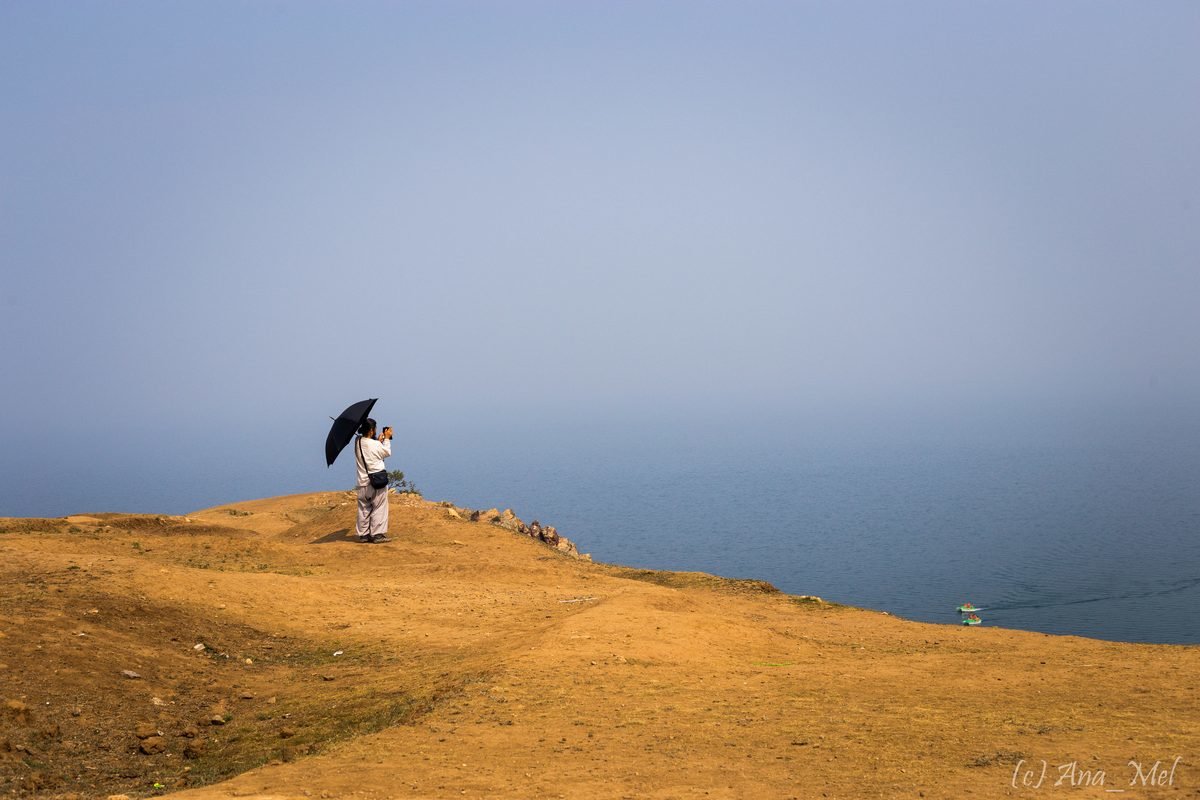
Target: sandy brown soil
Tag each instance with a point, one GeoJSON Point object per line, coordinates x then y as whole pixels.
{"type": "Point", "coordinates": [475, 662]}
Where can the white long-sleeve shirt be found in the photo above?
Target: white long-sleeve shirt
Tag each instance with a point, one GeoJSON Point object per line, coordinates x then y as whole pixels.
{"type": "Point", "coordinates": [373, 452]}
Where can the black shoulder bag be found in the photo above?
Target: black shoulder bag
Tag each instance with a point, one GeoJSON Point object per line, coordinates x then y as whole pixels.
{"type": "Point", "coordinates": [379, 480]}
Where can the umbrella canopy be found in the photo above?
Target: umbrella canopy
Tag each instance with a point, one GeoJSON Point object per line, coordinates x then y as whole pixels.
{"type": "Point", "coordinates": [344, 428]}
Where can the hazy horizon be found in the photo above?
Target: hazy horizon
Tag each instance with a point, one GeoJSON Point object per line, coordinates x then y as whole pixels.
{"type": "Point", "coordinates": [585, 225]}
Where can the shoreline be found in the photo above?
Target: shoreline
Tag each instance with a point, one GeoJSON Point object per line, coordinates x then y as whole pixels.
{"type": "Point", "coordinates": [508, 520]}
{"type": "Point", "coordinates": [252, 648]}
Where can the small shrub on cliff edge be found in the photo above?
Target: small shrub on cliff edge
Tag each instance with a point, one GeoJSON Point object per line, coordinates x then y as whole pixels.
{"type": "Point", "coordinates": [399, 485]}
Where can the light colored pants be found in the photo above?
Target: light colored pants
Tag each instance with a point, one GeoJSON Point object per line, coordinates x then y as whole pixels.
{"type": "Point", "coordinates": [372, 511]}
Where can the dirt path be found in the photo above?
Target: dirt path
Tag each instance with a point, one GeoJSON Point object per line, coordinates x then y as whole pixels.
{"type": "Point", "coordinates": [466, 661]}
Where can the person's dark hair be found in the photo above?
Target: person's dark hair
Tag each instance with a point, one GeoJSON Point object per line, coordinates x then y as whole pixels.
{"type": "Point", "coordinates": [367, 427]}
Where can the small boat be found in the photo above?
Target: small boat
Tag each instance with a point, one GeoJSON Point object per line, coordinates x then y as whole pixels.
{"type": "Point", "coordinates": [966, 608]}
{"type": "Point", "coordinates": [971, 619]}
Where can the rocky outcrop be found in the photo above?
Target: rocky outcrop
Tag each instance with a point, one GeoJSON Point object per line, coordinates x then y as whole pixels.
{"type": "Point", "coordinates": [547, 534]}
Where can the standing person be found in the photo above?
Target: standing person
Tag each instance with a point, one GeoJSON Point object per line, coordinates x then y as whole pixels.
{"type": "Point", "coordinates": [372, 523]}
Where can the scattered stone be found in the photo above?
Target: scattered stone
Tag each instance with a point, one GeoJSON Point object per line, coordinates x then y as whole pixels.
{"type": "Point", "coordinates": [157, 701]}
{"type": "Point", "coordinates": [198, 647]}
{"type": "Point", "coordinates": [287, 733]}
{"type": "Point", "coordinates": [510, 521]}
{"type": "Point", "coordinates": [76, 711]}
{"type": "Point", "coordinates": [453, 513]}
{"type": "Point", "coordinates": [247, 695]}
{"type": "Point", "coordinates": [326, 677]}
{"type": "Point", "coordinates": [190, 732]}
{"type": "Point", "coordinates": [249, 661]}
{"type": "Point", "coordinates": [18, 711]}
{"type": "Point", "coordinates": [133, 676]}
{"type": "Point", "coordinates": [145, 730]}
{"type": "Point", "coordinates": [194, 748]}
{"type": "Point", "coordinates": [152, 745]}
{"type": "Point", "coordinates": [217, 719]}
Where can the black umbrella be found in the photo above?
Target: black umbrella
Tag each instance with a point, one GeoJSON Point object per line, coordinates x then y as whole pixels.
{"type": "Point", "coordinates": [344, 428]}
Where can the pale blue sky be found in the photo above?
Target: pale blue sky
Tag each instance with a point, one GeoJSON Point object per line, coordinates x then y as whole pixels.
{"type": "Point", "coordinates": [510, 217]}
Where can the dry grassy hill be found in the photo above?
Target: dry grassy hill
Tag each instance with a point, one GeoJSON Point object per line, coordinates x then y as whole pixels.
{"type": "Point", "coordinates": [253, 650]}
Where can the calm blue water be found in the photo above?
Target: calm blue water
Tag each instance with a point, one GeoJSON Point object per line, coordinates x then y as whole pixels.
{"type": "Point", "coordinates": [1100, 541]}
{"type": "Point", "coordinates": [1099, 537]}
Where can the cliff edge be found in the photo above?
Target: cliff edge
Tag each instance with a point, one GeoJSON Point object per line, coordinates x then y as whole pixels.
{"type": "Point", "coordinates": [254, 650]}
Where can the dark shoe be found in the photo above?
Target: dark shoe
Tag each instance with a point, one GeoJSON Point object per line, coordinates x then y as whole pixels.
{"type": "Point", "coordinates": [364, 539]}
{"type": "Point", "coordinates": [380, 538]}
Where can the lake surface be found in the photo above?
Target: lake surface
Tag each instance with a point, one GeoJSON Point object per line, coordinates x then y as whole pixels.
{"type": "Point", "coordinates": [1099, 537]}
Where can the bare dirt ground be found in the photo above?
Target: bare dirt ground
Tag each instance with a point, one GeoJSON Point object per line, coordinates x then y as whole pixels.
{"type": "Point", "coordinates": [253, 650]}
